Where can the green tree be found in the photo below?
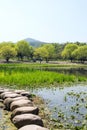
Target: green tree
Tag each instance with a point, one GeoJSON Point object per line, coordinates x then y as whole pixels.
{"type": "Point", "coordinates": [7, 50]}
{"type": "Point", "coordinates": [41, 53]}
{"type": "Point", "coordinates": [58, 48]}
{"type": "Point", "coordinates": [80, 53]}
{"type": "Point", "coordinates": [23, 49]}
{"type": "Point", "coordinates": [45, 52]}
{"type": "Point", "coordinates": [67, 52]}
{"type": "Point", "coordinates": [50, 50]}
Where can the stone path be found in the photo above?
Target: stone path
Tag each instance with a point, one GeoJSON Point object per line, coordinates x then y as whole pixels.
{"type": "Point", "coordinates": [24, 113]}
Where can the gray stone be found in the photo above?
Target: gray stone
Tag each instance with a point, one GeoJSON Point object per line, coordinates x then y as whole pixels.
{"type": "Point", "coordinates": [19, 91]}
{"type": "Point", "coordinates": [27, 94]}
{"type": "Point", "coordinates": [27, 119]}
{"type": "Point", "coordinates": [1, 100]}
{"type": "Point", "coordinates": [4, 93]}
{"type": "Point", "coordinates": [25, 110]}
{"type": "Point", "coordinates": [11, 95]}
{"type": "Point", "coordinates": [8, 101]}
{"type": "Point", "coordinates": [3, 90]}
{"type": "Point", "coordinates": [32, 127]}
{"type": "Point", "coordinates": [20, 103]}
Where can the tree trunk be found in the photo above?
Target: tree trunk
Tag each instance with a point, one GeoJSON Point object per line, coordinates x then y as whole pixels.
{"type": "Point", "coordinates": [7, 60]}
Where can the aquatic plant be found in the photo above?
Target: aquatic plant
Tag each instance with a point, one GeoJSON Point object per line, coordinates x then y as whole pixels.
{"type": "Point", "coordinates": [32, 75]}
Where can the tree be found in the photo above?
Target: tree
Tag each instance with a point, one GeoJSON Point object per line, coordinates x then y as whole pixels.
{"type": "Point", "coordinates": [41, 53]}
{"type": "Point", "coordinates": [58, 48]}
{"type": "Point", "coordinates": [80, 53]}
{"type": "Point", "coordinates": [50, 50]}
{"type": "Point", "coordinates": [23, 49]}
{"type": "Point", "coordinates": [7, 50]}
{"type": "Point", "coordinates": [31, 52]}
{"type": "Point", "coordinates": [67, 52]}
{"type": "Point", "coordinates": [45, 52]}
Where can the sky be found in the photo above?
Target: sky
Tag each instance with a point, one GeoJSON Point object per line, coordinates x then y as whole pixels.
{"type": "Point", "coordinates": [45, 20]}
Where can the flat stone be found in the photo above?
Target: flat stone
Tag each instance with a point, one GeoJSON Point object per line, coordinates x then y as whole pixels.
{"type": "Point", "coordinates": [19, 91]}
{"type": "Point", "coordinates": [7, 102]}
{"type": "Point", "coordinates": [10, 95]}
{"type": "Point", "coordinates": [25, 110]}
{"type": "Point", "coordinates": [4, 93]}
{"type": "Point", "coordinates": [32, 127]}
{"type": "Point", "coordinates": [27, 94]}
{"type": "Point", "coordinates": [27, 119]}
{"type": "Point", "coordinates": [3, 90]}
{"type": "Point", "coordinates": [1, 100]}
{"type": "Point", "coordinates": [20, 103]}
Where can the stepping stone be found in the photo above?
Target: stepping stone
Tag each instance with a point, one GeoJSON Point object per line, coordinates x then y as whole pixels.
{"type": "Point", "coordinates": [20, 103]}
{"type": "Point", "coordinates": [19, 91]}
{"type": "Point", "coordinates": [8, 101]}
{"type": "Point", "coordinates": [10, 95]}
{"type": "Point", "coordinates": [4, 93]}
{"type": "Point", "coordinates": [3, 90]}
{"type": "Point", "coordinates": [32, 127]}
{"type": "Point", "coordinates": [25, 110]}
{"type": "Point", "coordinates": [1, 100]}
{"type": "Point", "coordinates": [26, 119]}
{"type": "Point", "coordinates": [27, 94]}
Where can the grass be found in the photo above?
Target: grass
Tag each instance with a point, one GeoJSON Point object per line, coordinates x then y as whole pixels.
{"type": "Point", "coordinates": [32, 75]}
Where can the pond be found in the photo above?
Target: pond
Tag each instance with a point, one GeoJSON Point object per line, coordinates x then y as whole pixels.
{"type": "Point", "coordinates": [68, 105]}
{"type": "Point", "coordinates": [67, 70]}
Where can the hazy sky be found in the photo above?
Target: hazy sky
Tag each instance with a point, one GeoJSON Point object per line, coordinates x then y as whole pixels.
{"type": "Point", "coordinates": [45, 20]}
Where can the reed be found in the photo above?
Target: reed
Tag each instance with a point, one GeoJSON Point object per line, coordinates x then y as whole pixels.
{"type": "Point", "coordinates": [32, 75]}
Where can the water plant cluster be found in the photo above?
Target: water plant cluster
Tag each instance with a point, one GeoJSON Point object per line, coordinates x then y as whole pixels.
{"type": "Point", "coordinates": [72, 114]}
{"type": "Point", "coordinates": [32, 75]}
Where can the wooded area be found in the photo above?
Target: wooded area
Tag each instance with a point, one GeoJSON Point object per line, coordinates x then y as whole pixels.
{"type": "Point", "coordinates": [51, 51]}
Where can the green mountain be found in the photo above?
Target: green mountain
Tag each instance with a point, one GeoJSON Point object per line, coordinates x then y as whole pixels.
{"type": "Point", "coordinates": [34, 42]}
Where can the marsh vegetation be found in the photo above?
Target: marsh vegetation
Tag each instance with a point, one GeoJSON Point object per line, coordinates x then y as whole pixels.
{"type": "Point", "coordinates": [37, 75]}
{"type": "Point", "coordinates": [67, 105]}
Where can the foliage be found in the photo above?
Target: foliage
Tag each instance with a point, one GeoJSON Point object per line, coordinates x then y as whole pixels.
{"type": "Point", "coordinates": [23, 49]}
{"type": "Point", "coordinates": [45, 52]}
{"type": "Point", "coordinates": [53, 51]}
{"type": "Point", "coordinates": [81, 53]}
{"type": "Point", "coordinates": [67, 52]}
{"type": "Point", "coordinates": [41, 53]}
{"type": "Point", "coordinates": [58, 48]}
{"type": "Point", "coordinates": [30, 76]}
{"type": "Point", "coordinates": [7, 50]}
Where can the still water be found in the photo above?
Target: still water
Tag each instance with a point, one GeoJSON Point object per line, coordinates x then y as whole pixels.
{"type": "Point", "coordinates": [67, 104]}
{"type": "Point", "coordinates": [66, 70]}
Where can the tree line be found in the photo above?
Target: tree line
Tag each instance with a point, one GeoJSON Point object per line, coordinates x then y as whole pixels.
{"type": "Point", "coordinates": [53, 51]}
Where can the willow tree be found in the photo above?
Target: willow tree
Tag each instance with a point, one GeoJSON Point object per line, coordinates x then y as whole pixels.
{"type": "Point", "coordinates": [45, 52]}
{"type": "Point", "coordinates": [23, 49]}
{"type": "Point", "coordinates": [7, 50]}
{"type": "Point", "coordinates": [67, 52]}
{"type": "Point", "coordinates": [80, 53]}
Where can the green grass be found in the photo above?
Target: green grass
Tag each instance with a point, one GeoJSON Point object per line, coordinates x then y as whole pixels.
{"type": "Point", "coordinates": [29, 75]}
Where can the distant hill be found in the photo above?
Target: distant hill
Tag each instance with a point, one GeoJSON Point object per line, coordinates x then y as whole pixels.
{"type": "Point", "coordinates": [34, 42]}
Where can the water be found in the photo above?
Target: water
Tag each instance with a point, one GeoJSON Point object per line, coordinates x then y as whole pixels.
{"type": "Point", "coordinates": [0, 113]}
{"type": "Point", "coordinates": [67, 105]}
{"type": "Point", "coordinates": [66, 70]}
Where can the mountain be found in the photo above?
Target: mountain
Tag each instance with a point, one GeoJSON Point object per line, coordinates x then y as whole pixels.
{"type": "Point", "coordinates": [34, 42]}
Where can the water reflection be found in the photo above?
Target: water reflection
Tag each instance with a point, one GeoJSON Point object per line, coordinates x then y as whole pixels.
{"type": "Point", "coordinates": [0, 113]}
{"type": "Point", "coordinates": [75, 71]}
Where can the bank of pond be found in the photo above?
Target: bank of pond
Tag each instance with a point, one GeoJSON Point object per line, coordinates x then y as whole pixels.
{"type": "Point", "coordinates": [18, 110]}
{"type": "Point", "coordinates": [59, 107]}
{"type": "Point", "coordinates": [67, 105]}
{"type": "Point", "coordinates": [36, 75]}
{"type": "Point", "coordinates": [63, 88]}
